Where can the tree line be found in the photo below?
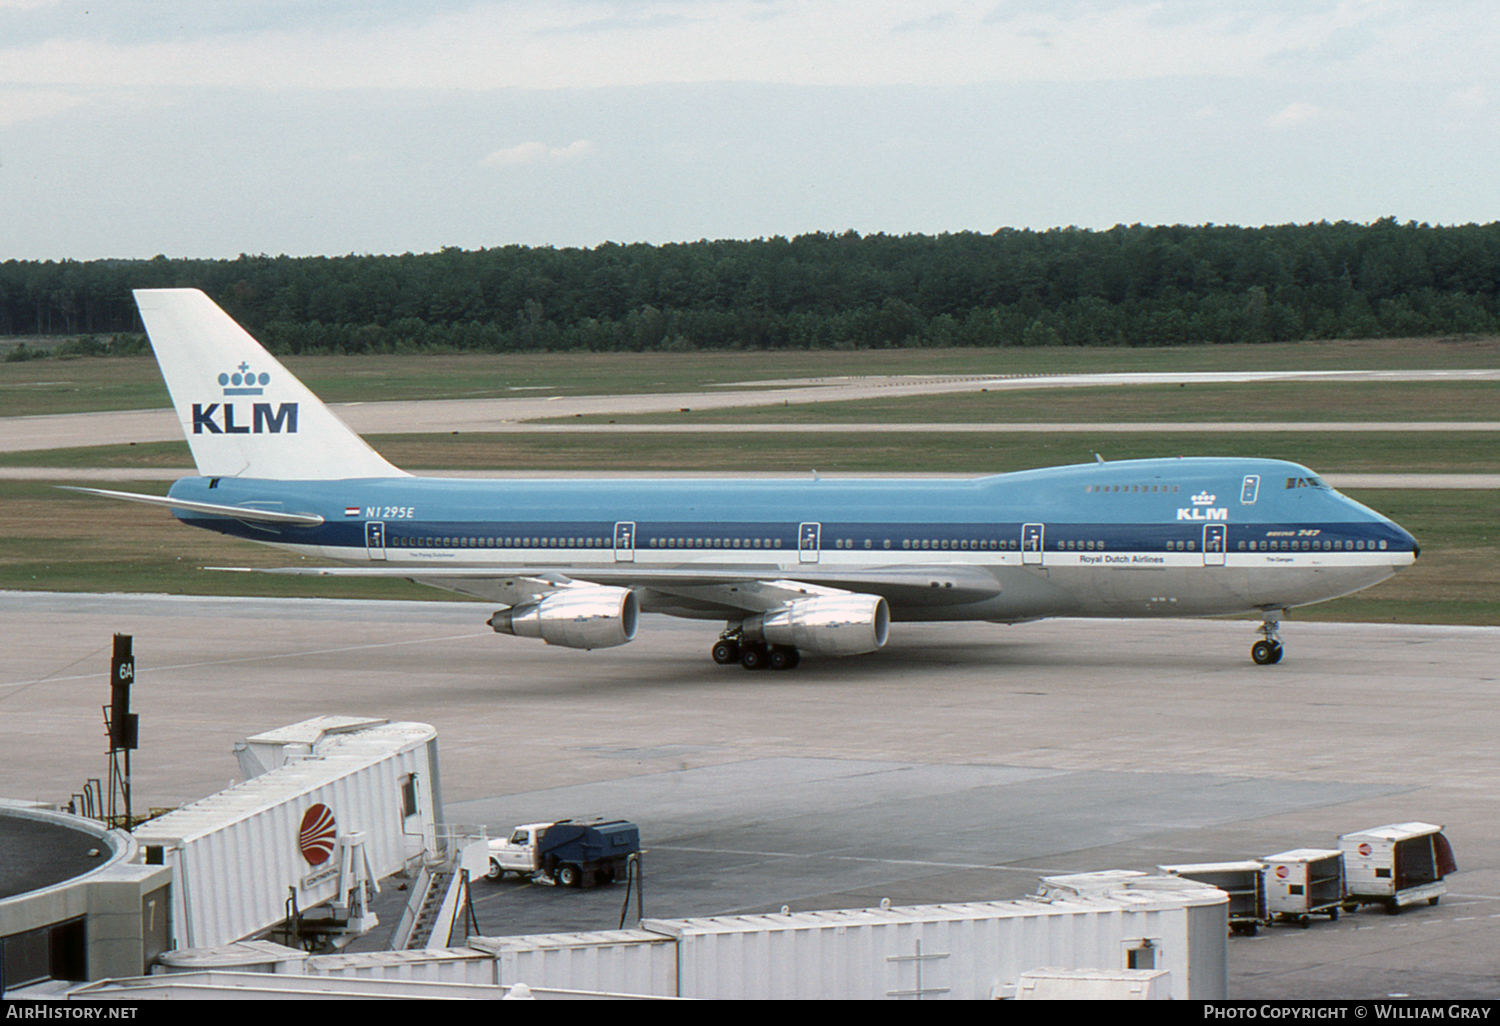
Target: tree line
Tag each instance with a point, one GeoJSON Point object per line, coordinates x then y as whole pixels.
{"type": "Point", "coordinates": [1131, 285]}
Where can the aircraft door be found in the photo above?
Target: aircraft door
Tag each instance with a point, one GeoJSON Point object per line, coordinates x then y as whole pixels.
{"type": "Point", "coordinates": [625, 541]}
{"type": "Point", "coordinates": [1215, 538]}
{"type": "Point", "coordinates": [808, 542]}
{"type": "Point", "coordinates": [1033, 537]}
{"type": "Point", "coordinates": [375, 538]}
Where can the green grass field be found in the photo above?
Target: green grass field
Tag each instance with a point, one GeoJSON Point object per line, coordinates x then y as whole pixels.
{"type": "Point", "coordinates": [58, 541]}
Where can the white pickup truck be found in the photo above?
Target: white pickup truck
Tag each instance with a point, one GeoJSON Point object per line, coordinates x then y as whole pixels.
{"type": "Point", "coordinates": [516, 853]}
{"type": "Point", "coordinates": [573, 853]}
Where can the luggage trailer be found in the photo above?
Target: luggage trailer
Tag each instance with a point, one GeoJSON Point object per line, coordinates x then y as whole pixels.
{"type": "Point", "coordinates": [1244, 882]}
{"type": "Point", "coordinates": [1396, 865]}
{"type": "Point", "coordinates": [1304, 882]}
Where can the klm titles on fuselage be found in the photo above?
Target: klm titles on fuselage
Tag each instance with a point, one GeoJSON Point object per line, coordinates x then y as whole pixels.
{"type": "Point", "coordinates": [1200, 513]}
{"type": "Point", "coordinates": [1200, 509]}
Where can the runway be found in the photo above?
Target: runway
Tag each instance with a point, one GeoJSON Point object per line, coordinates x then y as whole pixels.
{"type": "Point", "coordinates": [65, 431]}
{"type": "Point", "coordinates": [959, 763]}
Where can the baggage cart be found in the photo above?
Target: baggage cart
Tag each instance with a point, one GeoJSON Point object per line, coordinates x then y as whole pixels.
{"type": "Point", "coordinates": [1244, 882]}
{"type": "Point", "coordinates": [1304, 882]}
{"type": "Point", "coordinates": [1396, 865]}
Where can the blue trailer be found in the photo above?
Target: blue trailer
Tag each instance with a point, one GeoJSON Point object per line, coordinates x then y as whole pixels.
{"type": "Point", "coordinates": [581, 853]}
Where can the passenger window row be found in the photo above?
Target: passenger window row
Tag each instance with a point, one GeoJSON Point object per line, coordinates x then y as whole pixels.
{"type": "Point", "coordinates": [1310, 545]}
{"type": "Point", "coordinates": [470, 542]}
{"type": "Point", "coordinates": [714, 543]}
{"type": "Point", "coordinates": [965, 544]}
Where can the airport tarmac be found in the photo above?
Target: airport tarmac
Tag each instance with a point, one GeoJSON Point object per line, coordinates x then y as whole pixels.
{"type": "Point", "coordinates": [960, 763]}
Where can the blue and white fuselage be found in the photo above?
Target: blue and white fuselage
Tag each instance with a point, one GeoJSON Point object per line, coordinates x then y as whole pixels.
{"type": "Point", "coordinates": [816, 565]}
{"type": "Point", "coordinates": [1136, 538]}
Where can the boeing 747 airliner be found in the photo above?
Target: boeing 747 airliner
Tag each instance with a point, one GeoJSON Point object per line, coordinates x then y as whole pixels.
{"type": "Point", "coordinates": [814, 566]}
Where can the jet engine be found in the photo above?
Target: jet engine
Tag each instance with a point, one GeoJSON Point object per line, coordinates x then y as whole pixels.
{"type": "Point", "coordinates": [593, 617]}
{"type": "Point", "coordinates": [825, 624]}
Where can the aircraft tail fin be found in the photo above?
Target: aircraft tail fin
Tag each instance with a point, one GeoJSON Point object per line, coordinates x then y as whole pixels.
{"type": "Point", "coordinates": [244, 414]}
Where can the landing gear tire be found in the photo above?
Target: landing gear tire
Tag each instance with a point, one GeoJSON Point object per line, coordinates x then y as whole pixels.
{"type": "Point", "coordinates": [1265, 653]}
{"type": "Point", "coordinates": [1268, 649]}
{"type": "Point", "coordinates": [726, 652]}
{"type": "Point", "coordinates": [783, 657]}
{"type": "Point", "coordinates": [754, 656]}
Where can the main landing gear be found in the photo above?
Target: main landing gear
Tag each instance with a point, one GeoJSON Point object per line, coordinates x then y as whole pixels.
{"type": "Point", "coordinates": [753, 655]}
{"type": "Point", "coordinates": [1268, 650]}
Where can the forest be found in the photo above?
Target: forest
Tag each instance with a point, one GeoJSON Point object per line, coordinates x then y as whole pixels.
{"type": "Point", "coordinates": [1130, 285]}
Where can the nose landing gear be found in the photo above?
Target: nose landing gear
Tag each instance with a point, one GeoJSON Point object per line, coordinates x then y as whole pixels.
{"type": "Point", "coordinates": [1268, 650]}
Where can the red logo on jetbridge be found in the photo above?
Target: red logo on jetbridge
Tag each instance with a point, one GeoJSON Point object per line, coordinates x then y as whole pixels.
{"type": "Point", "coordinates": [316, 836]}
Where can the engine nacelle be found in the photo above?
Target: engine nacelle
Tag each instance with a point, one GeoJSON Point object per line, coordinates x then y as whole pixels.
{"type": "Point", "coordinates": [825, 624]}
{"type": "Point", "coordinates": [574, 617]}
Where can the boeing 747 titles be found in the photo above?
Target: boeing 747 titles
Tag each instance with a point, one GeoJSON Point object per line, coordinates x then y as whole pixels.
{"type": "Point", "coordinates": [814, 566]}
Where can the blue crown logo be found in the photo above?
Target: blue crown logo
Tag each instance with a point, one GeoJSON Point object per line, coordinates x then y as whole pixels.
{"type": "Point", "coordinates": [243, 382]}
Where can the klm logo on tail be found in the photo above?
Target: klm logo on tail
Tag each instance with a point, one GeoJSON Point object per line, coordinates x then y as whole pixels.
{"type": "Point", "coordinates": [263, 420]}
{"type": "Point", "coordinates": [242, 382]}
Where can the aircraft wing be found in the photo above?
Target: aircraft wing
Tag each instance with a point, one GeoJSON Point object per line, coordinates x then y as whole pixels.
{"type": "Point", "coordinates": [707, 588]}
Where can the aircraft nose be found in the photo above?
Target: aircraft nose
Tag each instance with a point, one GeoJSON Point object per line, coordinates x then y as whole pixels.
{"type": "Point", "coordinates": [1407, 537]}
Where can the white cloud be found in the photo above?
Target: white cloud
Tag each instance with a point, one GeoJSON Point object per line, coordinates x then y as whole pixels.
{"type": "Point", "coordinates": [17, 105]}
{"type": "Point", "coordinates": [1295, 115]}
{"type": "Point", "coordinates": [532, 152]}
{"type": "Point", "coordinates": [514, 156]}
{"type": "Point", "coordinates": [1472, 100]}
{"type": "Point", "coordinates": [579, 148]}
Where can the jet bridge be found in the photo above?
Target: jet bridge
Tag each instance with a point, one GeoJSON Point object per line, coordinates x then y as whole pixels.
{"type": "Point", "coordinates": [329, 807]}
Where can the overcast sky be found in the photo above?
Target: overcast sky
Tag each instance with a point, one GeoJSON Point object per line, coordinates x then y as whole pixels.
{"type": "Point", "coordinates": [210, 128]}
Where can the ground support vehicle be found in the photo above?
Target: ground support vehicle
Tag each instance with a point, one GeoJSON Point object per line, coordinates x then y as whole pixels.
{"type": "Point", "coordinates": [1244, 882]}
{"type": "Point", "coordinates": [571, 853]}
{"type": "Point", "coordinates": [1396, 865]}
{"type": "Point", "coordinates": [1304, 882]}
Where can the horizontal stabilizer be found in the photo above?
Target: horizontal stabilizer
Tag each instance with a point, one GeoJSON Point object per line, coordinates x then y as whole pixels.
{"type": "Point", "coordinates": [259, 516]}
